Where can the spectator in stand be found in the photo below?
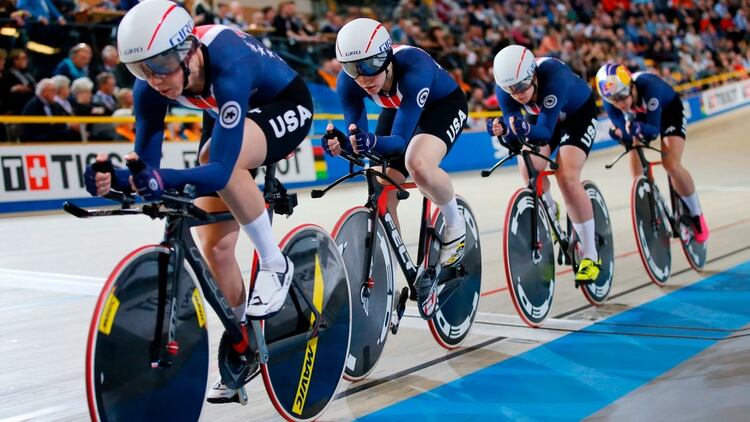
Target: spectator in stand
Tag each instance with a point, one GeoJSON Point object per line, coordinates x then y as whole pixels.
{"type": "Point", "coordinates": [76, 65]}
{"type": "Point", "coordinates": [332, 23]}
{"type": "Point", "coordinates": [287, 23]}
{"type": "Point", "coordinates": [111, 63]}
{"type": "Point", "coordinates": [124, 131]}
{"type": "Point", "coordinates": [269, 14]}
{"type": "Point", "coordinates": [42, 11]}
{"type": "Point", "coordinates": [203, 12]}
{"type": "Point", "coordinates": [237, 15]}
{"type": "Point", "coordinates": [105, 94]}
{"type": "Point", "coordinates": [4, 88]}
{"type": "Point", "coordinates": [19, 80]}
{"type": "Point", "coordinates": [124, 98]}
{"type": "Point", "coordinates": [82, 92]}
{"type": "Point", "coordinates": [329, 71]}
{"type": "Point", "coordinates": [62, 84]}
{"type": "Point", "coordinates": [43, 104]}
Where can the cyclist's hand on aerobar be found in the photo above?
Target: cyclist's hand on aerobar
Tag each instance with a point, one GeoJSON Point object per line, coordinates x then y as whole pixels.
{"type": "Point", "coordinates": [144, 179]}
{"type": "Point", "coordinates": [98, 176]}
{"type": "Point", "coordinates": [361, 141]}
{"type": "Point", "coordinates": [633, 128]}
{"type": "Point", "coordinates": [496, 127]}
{"type": "Point", "coordinates": [333, 140]}
{"type": "Point", "coordinates": [520, 127]}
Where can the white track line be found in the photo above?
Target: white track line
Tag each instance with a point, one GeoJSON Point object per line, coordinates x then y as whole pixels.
{"type": "Point", "coordinates": [50, 282]}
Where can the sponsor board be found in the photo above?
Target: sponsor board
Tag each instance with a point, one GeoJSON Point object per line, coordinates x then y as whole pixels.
{"type": "Point", "coordinates": [48, 172]}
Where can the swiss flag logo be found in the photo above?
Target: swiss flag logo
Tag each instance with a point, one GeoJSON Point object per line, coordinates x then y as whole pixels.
{"type": "Point", "coordinates": [38, 173]}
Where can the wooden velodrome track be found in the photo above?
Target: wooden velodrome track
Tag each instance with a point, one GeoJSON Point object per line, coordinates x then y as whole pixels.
{"type": "Point", "coordinates": [52, 266]}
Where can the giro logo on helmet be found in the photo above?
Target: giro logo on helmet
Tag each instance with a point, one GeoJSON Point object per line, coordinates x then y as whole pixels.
{"type": "Point", "coordinates": [180, 36]}
{"type": "Point", "coordinates": [132, 51]}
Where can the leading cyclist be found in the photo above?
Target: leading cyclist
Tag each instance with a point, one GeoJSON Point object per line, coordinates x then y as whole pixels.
{"type": "Point", "coordinates": [641, 107]}
{"type": "Point", "coordinates": [561, 111]}
{"type": "Point", "coordinates": [423, 114]}
{"type": "Point", "coordinates": [256, 111]}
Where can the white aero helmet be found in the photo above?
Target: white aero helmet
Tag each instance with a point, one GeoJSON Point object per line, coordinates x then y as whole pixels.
{"type": "Point", "coordinates": [514, 68]}
{"type": "Point", "coordinates": [363, 47]}
{"type": "Point", "coordinates": [155, 38]}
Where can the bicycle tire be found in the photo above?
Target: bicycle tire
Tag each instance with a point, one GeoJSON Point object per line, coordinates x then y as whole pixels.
{"type": "Point", "coordinates": [455, 314]}
{"type": "Point", "coordinates": [302, 374]}
{"type": "Point", "coordinates": [651, 237]}
{"type": "Point", "coordinates": [530, 275]}
{"type": "Point", "coordinates": [121, 385]}
{"type": "Point", "coordinates": [597, 292]}
{"type": "Point", "coordinates": [371, 308]}
{"type": "Point", "coordinates": [695, 253]}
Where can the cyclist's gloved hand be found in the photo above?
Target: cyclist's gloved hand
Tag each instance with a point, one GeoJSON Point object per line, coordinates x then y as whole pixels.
{"type": "Point", "coordinates": [361, 141]}
{"type": "Point", "coordinates": [633, 127]}
{"type": "Point", "coordinates": [147, 180]}
{"type": "Point", "coordinates": [99, 175]}
{"type": "Point", "coordinates": [333, 140]}
{"type": "Point", "coordinates": [519, 126]}
{"type": "Point", "coordinates": [496, 127]}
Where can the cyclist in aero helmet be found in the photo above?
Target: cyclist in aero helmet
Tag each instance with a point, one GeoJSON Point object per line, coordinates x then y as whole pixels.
{"type": "Point", "coordinates": [256, 111]}
{"type": "Point", "coordinates": [560, 112]}
{"type": "Point", "coordinates": [423, 114]}
{"type": "Point", "coordinates": [641, 107]}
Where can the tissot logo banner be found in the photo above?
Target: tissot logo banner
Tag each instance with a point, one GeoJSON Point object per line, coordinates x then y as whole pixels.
{"type": "Point", "coordinates": [36, 166]}
{"type": "Point", "coordinates": [55, 172]}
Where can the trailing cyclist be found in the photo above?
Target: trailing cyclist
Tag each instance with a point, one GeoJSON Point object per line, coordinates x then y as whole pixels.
{"type": "Point", "coordinates": [423, 114]}
{"type": "Point", "coordinates": [256, 111]}
{"type": "Point", "coordinates": [560, 112]}
{"type": "Point", "coordinates": [642, 107]}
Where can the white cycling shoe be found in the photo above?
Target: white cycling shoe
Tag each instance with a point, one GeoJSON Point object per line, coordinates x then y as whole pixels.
{"type": "Point", "coordinates": [270, 291]}
{"type": "Point", "coordinates": [452, 251]}
{"type": "Point", "coordinates": [220, 393]}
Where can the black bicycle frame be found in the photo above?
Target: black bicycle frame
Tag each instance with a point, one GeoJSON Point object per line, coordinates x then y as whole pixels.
{"type": "Point", "coordinates": [646, 171]}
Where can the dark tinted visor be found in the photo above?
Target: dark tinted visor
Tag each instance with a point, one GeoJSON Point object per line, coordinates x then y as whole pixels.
{"type": "Point", "coordinates": [370, 66]}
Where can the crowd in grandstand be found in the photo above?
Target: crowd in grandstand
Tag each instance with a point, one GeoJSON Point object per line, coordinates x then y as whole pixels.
{"type": "Point", "coordinates": [681, 40]}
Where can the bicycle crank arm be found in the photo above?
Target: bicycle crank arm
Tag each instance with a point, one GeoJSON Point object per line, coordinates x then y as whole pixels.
{"type": "Point", "coordinates": [403, 296]}
{"type": "Point", "coordinates": [260, 341]}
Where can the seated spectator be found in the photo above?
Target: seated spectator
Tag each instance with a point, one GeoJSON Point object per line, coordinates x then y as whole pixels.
{"type": "Point", "coordinates": [43, 104]}
{"type": "Point", "coordinates": [76, 65]}
{"type": "Point", "coordinates": [203, 12]}
{"type": "Point", "coordinates": [329, 71]}
{"type": "Point", "coordinates": [124, 131]}
{"type": "Point", "coordinates": [111, 63]}
{"type": "Point", "coordinates": [125, 98]}
{"type": "Point", "coordinates": [82, 91]}
{"type": "Point", "coordinates": [3, 86]}
{"type": "Point", "coordinates": [20, 83]}
{"type": "Point", "coordinates": [42, 11]}
{"type": "Point", "coordinates": [62, 84]}
{"type": "Point", "coordinates": [237, 15]}
{"type": "Point", "coordinates": [105, 94]}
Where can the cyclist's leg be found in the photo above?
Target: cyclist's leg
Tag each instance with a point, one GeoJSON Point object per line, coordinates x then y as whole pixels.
{"type": "Point", "coordinates": [423, 157]}
{"type": "Point", "coordinates": [580, 129]}
{"type": "Point", "coordinates": [673, 135]}
{"type": "Point", "coordinates": [439, 127]}
{"type": "Point", "coordinates": [682, 182]}
{"type": "Point", "coordinates": [397, 169]}
{"type": "Point", "coordinates": [265, 140]}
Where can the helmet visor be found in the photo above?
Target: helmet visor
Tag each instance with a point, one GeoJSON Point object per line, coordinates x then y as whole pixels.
{"type": "Point", "coordinates": [370, 66]}
{"type": "Point", "coordinates": [165, 63]}
{"type": "Point", "coordinates": [617, 97]}
{"type": "Point", "coordinates": [519, 86]}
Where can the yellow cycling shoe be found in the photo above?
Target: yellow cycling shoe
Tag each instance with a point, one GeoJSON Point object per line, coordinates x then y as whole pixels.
{"type": "Point", "coordinates": [588, 270]}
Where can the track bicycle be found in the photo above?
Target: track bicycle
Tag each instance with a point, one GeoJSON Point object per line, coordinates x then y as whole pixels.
{"type": "Point", "coordinates": [530, 231]}
{"type": "Point", "coordinates": [653, 223]}
{"type": "Point", "coordinates": [147, 355]}
{"type": "Point", "coordinates": [367, 234]}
